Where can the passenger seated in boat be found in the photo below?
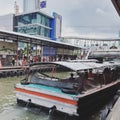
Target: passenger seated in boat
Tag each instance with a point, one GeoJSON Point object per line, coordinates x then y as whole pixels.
{"type": "Point", "coordinates": [71, 77]}
{"type": "Point", "coordinates": [106, 75]}
{"type": "Point", "coordinates": [90, 75]}
{"type": "Point", "coordinates": [114, 74]}
{"type": "Point", "coordinates": [80, 86]}
{"type": "Point", "coordinates": [86, 74]}
{"type": "Point", "coordinates": [85, 79]}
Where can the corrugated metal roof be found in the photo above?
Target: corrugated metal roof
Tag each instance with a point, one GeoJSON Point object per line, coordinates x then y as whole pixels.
{"type": "Point", "coordinates": [76, 66]}
{"type": "Point", "coordinates": [116, 4]}
{"type": "Point", "coordinates": [20, 37]}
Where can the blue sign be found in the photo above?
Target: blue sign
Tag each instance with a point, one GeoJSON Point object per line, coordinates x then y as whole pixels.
{"type": "Point", "coordinates": [42, 4]}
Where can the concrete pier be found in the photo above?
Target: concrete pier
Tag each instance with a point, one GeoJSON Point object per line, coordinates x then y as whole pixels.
{"type": "Point", "coordinates": [115, 111]}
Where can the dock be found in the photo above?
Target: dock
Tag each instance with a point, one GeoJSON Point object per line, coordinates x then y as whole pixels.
{"type": "Point", "coordinates": [115, 111]}
{"type": "Point", "coordinates": [11, 71]}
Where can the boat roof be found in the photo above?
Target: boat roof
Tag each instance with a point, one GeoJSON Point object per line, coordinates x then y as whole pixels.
{"type": "Point", "coordinates": [79, 66]}
{"type": "Point", "coordinates": [86, 60]}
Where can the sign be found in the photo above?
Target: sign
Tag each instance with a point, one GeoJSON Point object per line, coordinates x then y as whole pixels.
{"type": "Point", "coordinates": [43, 4]}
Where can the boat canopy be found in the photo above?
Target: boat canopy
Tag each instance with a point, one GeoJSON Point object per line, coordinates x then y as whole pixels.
{"type": "Point", "coordinates": [78, 66]}
{"type": "Point", "coordinates": [86, 60]}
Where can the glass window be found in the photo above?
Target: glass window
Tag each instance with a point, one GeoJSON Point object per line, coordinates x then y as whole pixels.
{"type": "Point", "coordinates": [43, 20]}
{"type": "Point", "coordinates": [47, 32]}
{"type": "Point", "coordinates": [26, 19]}
{"type": "Point", "coordinates": [39, 30]}
{"type": "Point", "coordinates": [39, 18]}
{"type": "Point", "coordinates": [47, 22]}
{"type": "Point", "coordinates": [33, 18]}
{"type": "Point", "coordinates": [42, 31]}
{"type": "Point", "coordinates": [28, 30]}
{"type": "Point", "coordinates": [26, 24]}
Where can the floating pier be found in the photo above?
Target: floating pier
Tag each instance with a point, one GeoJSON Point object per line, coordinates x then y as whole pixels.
{"type": "Point", "coordinates": [13, 71]}
{"type": "Point", "coordinates": [115, 111]}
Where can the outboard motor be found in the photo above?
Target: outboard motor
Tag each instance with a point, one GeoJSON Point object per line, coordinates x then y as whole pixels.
{"type": "Point", "coordinates": [52, 109]}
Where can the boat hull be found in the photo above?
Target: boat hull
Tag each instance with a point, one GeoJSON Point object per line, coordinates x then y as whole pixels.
{"type": "Point", "coordinates": [92, 101]}
{"type": "Point", "coordinates": [63, 102]}
{"type": "Point", "coordinates": [72, 104]}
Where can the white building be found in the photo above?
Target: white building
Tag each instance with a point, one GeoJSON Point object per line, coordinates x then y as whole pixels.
{"type": "Point", "coordinates": [6, 22]}
{"type": "Point", "coordinates": [30, 5]}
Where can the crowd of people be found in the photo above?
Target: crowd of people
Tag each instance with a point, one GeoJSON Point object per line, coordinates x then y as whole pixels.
{"type": "Point", "coordinates": [19, 61]}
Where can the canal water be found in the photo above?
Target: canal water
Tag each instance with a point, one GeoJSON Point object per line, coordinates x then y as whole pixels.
{"type": "Point", "coordinates": [9, 110]}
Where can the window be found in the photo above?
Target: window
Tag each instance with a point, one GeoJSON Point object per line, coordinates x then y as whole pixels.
{"type": "Point", "coordinates": [43, 20]}
{"type": "Point", "coordinates": [39, 18]}
{"type": "Point", "coordinates": [42, 31]}
{"type": "Point", "coordinates": [47, 33]}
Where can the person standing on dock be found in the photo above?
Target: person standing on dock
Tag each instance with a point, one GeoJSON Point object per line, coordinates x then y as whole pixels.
{"type": "Point", "coordinates": [0, 64]}
{"type": "Point", "coordinates": [24, 62]}
{"type": "Point", "coordinates": [13, 61]}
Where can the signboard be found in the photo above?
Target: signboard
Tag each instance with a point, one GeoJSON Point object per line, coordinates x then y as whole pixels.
{"type": "Point", "coordinates": [43, 4]}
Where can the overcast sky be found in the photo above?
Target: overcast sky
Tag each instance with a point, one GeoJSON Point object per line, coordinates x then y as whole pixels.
{"type": "Point", "coordinates": [94, 18]}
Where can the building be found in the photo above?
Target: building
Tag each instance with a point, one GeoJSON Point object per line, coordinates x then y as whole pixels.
{"type": "Point", "coordinates": [7, 22]}
{"type": "Point", "coordinates": [34, 21]}
{"type": "Point", "coordinates": [30, 5]}
{"type": "Point", "coordinates": [39, 24]}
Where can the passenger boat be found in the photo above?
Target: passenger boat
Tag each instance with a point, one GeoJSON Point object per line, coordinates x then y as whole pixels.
{"type": "Point", "coordinates": [51, 86]}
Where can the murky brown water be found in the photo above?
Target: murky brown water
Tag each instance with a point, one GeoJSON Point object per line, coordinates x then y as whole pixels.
{"type": "Point", "coordinates": [9, 110]}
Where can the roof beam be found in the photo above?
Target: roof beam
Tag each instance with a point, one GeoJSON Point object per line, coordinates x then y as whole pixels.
{"type": "Point", "coordinates": [116, 4]}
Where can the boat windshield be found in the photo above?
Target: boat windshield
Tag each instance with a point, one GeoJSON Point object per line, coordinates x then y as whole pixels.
{"type": "Point", "coordinates": [51, 72]}
{"type": "Point", "coordinates": [52, 76]}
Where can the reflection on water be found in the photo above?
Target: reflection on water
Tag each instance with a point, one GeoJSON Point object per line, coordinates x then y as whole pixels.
{"type": "Point", "coordinates": [9, 110]}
